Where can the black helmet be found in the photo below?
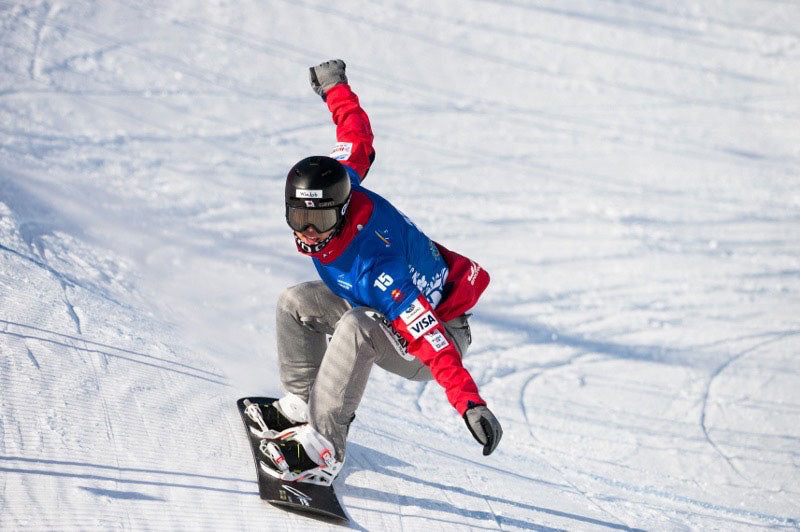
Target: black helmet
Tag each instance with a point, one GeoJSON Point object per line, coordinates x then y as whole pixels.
{"type": "Point", "coordinates": [317, 194]}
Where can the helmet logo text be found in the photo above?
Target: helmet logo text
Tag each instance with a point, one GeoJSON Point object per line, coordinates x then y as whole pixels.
{"type": "Point", "coordinates": [316, 194]}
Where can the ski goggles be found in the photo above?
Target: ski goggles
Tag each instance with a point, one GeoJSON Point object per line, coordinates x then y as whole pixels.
{"type": "Point", "coordinates": [322, 220]}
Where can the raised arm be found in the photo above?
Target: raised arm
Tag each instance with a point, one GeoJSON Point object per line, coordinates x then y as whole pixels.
{"type": "Point", "coordinates": [353, 131]}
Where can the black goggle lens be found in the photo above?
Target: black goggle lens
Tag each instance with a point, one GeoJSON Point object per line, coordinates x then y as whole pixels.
{"type": "Point", "coordinates": [321, 220]}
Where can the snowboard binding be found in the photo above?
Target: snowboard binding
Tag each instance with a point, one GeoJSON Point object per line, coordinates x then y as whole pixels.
{"type": "Point", "coordinates": [289, 457]}
{"type": "Point", "coordinates": [287, 439]}
{"type": "Point", "coordinates": [274, 418]}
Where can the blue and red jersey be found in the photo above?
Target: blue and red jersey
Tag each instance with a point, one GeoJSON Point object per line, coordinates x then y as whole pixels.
{"type": "Point", "coordinates": [381, 260]}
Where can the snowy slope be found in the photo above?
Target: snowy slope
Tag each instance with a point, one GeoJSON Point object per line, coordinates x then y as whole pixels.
{"type": "Point", "coordinates": [627, 170]}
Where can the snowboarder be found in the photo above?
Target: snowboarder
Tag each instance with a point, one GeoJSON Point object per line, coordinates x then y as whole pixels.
{"type": "Point", "coordinates": [388, 295]}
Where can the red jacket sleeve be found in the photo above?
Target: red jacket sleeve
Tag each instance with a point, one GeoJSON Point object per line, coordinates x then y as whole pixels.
{"type": "Point", "coordinates": [428, 341]}
{"type": "Point", "coordinates": [353, 131]}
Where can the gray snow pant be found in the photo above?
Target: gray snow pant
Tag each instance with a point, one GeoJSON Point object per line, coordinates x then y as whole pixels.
{"type": "Point", "coordinates": [331, 376]}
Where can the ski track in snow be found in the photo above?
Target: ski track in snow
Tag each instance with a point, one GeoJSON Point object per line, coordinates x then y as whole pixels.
{"type": "Point", "coordinates": [626, 171]}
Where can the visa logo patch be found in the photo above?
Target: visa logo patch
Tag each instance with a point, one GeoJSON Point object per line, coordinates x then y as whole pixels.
{"type": "Point", "coordinates": [423, 325]}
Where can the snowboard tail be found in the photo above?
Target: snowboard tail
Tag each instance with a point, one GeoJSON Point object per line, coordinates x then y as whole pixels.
{"type": "Point", "coordinates": [296, 496]}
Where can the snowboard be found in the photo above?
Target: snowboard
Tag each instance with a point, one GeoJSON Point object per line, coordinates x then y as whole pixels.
{"type": "Point", "coordinates": [297, 496]}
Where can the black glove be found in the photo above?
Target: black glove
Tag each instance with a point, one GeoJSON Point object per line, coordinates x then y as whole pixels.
{"type": "Point", "coordinates": [327, 75]}
{"type": "Point", "coordinates": [484, 426]}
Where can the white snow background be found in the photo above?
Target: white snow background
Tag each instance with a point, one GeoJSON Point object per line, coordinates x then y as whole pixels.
{"type": "Point", "coordinates": [628, 171]}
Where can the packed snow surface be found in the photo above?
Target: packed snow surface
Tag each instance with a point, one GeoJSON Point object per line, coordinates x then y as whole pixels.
{"type": "Point", "coordinates": [628, 171]}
